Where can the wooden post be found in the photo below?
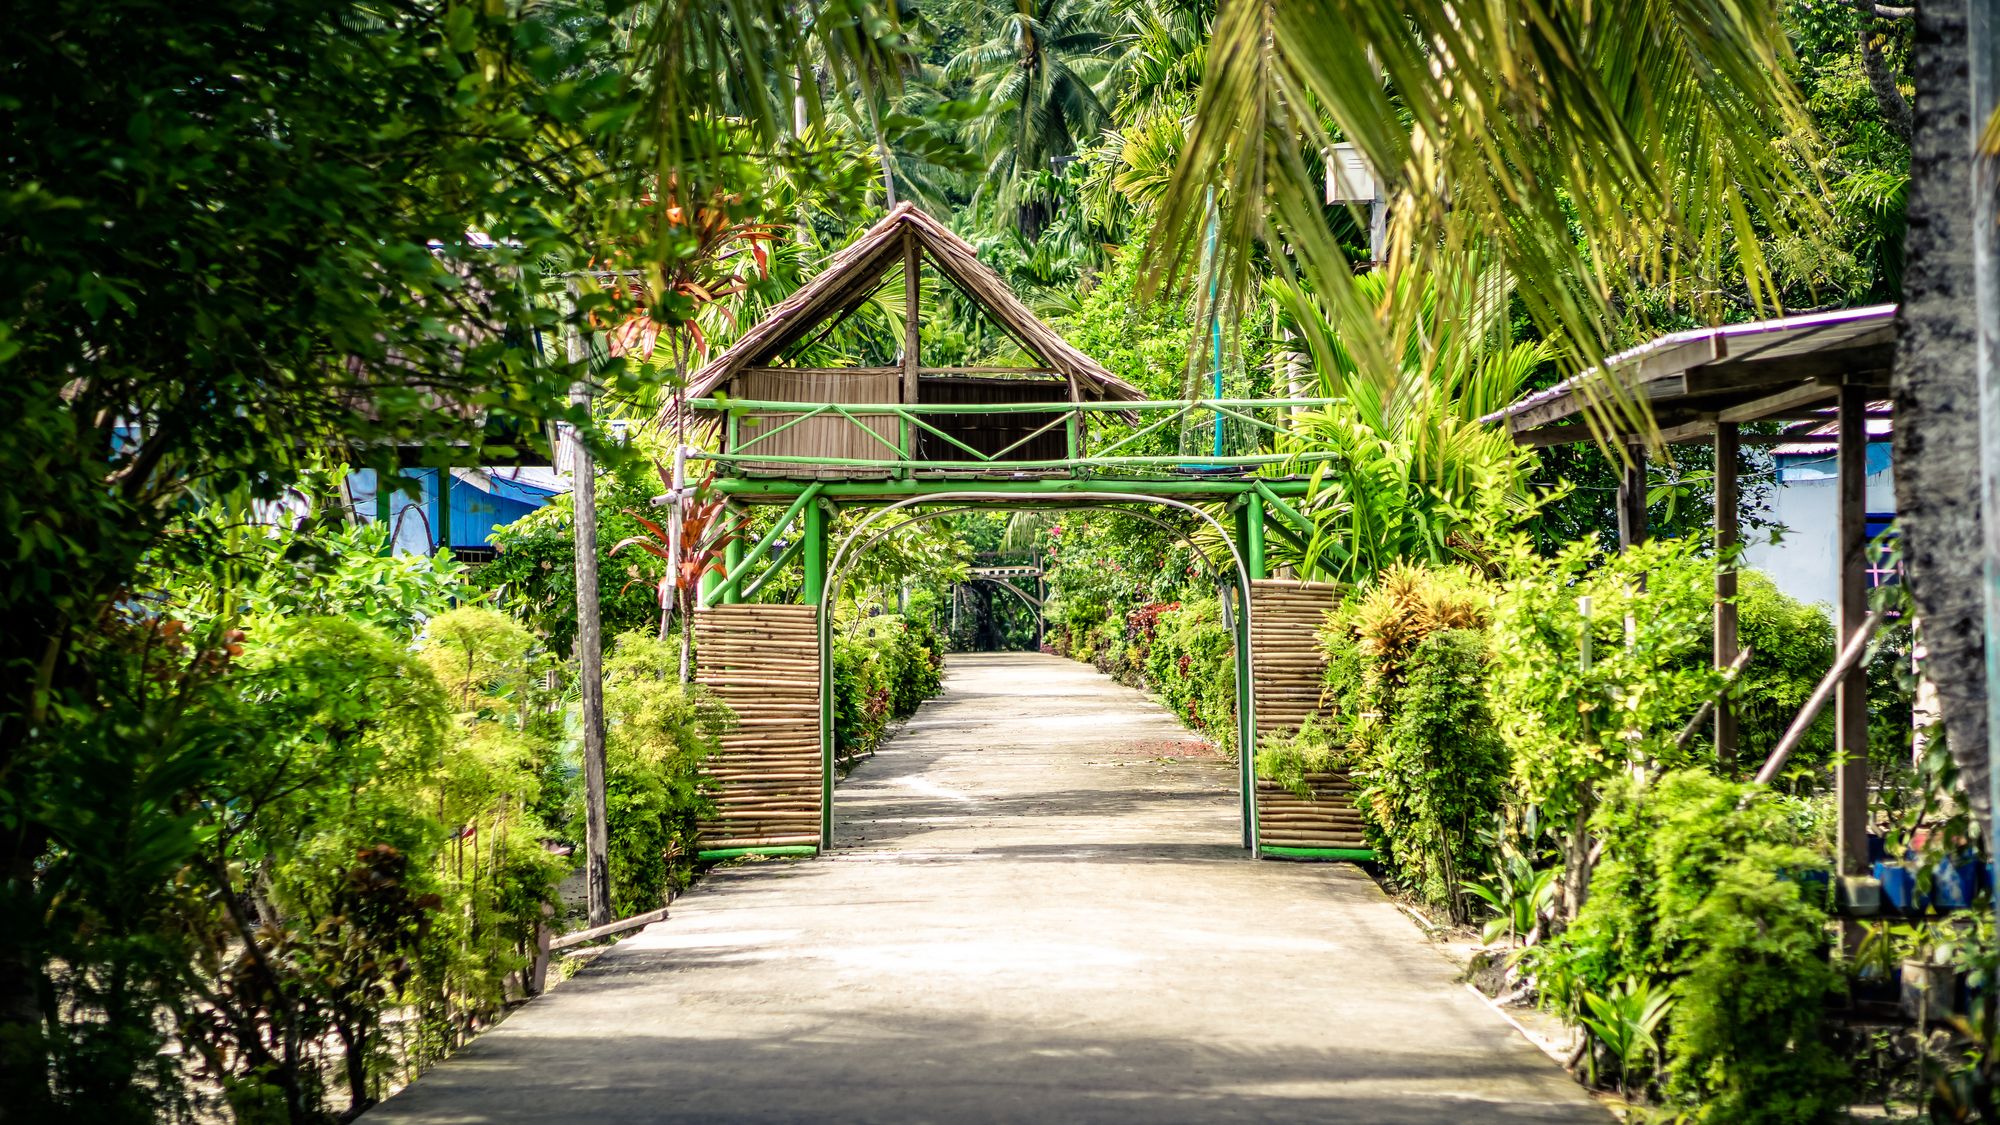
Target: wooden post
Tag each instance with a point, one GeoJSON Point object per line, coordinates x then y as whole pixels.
{"type": "Point", "coordinates": [385, 511]}
{"type": "Point", "coordinates": [1632, 497]}
{"type": "Point", "coordinates": [1851, 697]}
{"type": "Point", "coordinates": [590, 661]}
{"type": "Point", "coordinates": [1727, 643]}
{"type": "Point", "coordinates": [913, 264]}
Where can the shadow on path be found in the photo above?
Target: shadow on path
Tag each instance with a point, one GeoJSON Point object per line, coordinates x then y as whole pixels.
{"type": "Point", "coordinates": [1031, 917]}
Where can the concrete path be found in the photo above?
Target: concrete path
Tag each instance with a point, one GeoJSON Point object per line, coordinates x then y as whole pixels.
{"type": "Point", "coordinates": [1038, 912]}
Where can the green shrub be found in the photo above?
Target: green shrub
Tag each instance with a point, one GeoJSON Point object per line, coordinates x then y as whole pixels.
{"type": "Point", "coordinates": [884, 667]}
{"type": "Point", "coordinates": [656, 734]}
{"type": "Point", "coordinates": [1406, 672]}
{"type": "Point", "coordinates": [1794, 647]}
{"type": "Point", "coordinates": [861, 698]}
{"type": "Point", "coordinates": [1192, 666]}
{"type": "Point", "coordinates": [1438, 775]}
{"type": "Point", "coordinates": [1569, 725]}
{"type": "Point", "coordinates": [1694, 893]}
{"type": "Point", "coordinates": [533, 575]}
{"type": "Point", "coordinates": [376, 846]}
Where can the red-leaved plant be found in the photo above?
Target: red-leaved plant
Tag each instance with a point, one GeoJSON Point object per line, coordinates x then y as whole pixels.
{"type": "Point", "coordinates": [705, 529]}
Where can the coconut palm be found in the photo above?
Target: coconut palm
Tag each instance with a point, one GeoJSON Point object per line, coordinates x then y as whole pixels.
{"type": "Point", "coordinates": [1597, 147]}
{"type": "Point", "coordinates": [1041, 72]}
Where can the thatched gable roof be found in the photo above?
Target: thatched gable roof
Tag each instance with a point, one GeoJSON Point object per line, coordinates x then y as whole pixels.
{"type": "Point", "coordinates": [857, 271]}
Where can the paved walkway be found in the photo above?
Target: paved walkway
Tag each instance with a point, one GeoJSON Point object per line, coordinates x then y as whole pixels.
{"type": "Point", "coordinates": [1037, 913]}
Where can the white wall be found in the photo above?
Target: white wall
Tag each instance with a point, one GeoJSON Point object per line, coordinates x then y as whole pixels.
{"type": "Point", "coordinates": [1805, 563]}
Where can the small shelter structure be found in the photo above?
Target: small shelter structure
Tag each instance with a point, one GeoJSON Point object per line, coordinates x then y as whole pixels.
{"type": "Point", "coordinates": [1703, 386]}
{"type": "Point", "coordinates": [906, 441]}
{"type": "Point", "coordinates": [760, 366]}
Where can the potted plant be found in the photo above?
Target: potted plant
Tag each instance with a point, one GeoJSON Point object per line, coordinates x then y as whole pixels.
{"type": "Point", "coordinates": [1930, 979]}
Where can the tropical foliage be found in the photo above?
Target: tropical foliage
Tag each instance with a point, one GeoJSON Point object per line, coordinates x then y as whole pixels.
{"type": "Point", "coordinates": [284, 811]}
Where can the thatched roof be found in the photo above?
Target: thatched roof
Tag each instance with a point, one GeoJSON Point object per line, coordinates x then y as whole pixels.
{"type": "Point", "coordinates": [856, 272]}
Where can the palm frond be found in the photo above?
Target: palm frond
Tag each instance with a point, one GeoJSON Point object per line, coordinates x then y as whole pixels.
{"type": "Point", "coordinates": [1588, 147]}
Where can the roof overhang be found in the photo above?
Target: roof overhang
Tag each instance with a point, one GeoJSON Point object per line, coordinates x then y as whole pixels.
{"type": "Point", "coordinates": [1787, 369]}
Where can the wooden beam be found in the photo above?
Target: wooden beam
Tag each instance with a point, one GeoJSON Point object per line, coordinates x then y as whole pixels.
{"type": "Point", "coordinates": [989, 371]}
{"type": "Point", "coordinates": [913, 263]}
{"type": "Point", "coordinates": [1791, 398]}
{"type": "Point", "coordinates": [821, 371]}
{"type": "Point", "coordinates": [1851, 695]}
{"type": "Point", "coordinates": [609, 929]}
{"type": "Point", "coordinates": [1701, 429]}
{"type": "Point", "coordinates": [1833, 365]}
{"type": "Point", "coordinates": [1632, 498]}
{"type": "Point", "coordinates": [1727, 644]}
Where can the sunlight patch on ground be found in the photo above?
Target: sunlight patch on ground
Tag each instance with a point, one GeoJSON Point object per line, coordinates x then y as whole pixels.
{"type": "Point", "coordinates": [928, 788]}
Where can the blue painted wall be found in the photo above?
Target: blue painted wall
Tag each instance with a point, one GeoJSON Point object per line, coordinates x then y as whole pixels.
{"type": "Point", "coordinates": [475, 512]}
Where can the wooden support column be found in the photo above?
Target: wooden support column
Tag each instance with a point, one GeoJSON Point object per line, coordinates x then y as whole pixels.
{"type": "Point", "coordinates": [1727, 645]}
{"type": "Point", "coordinates": [1851, 698]}
{"type": "Point", "coordinates": [913, 264]}
{"type": "Point", "coordinates": [589, 657]}
{"type": "Point", "coordinates": [385, 509]}
{"type": "Point", "coordinates": [1632, 497]}
{"type": "Point", "coordinates": [443, 522]}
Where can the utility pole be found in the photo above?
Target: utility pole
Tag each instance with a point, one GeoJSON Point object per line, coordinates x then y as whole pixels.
{"type": "Point", "coordinates": [589, 652]}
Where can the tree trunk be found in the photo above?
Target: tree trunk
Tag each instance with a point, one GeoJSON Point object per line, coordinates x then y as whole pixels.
{"type": "Point", "coordinates": [1895, 108]}
{"type": "Point", "coordinates": [1937, 392]}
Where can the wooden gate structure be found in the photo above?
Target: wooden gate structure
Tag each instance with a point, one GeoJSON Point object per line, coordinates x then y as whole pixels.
{"type": "Point", "coordinates": [1052, 429]}
{"type": "Point", "coordinates": [1290, 685]}
{"type": "Point", "coordinates": [763, 661]}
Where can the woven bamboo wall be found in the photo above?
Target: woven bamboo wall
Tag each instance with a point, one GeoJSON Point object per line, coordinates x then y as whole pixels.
{"type": "Point", "coordinates": [1328, 820]}
{"type": "Point", "coordinates": [822, 436]}
{"type": "Point", "coordinates": [1290, 670]}
{"type": "Point", "coordinates": [1285, 620]}
{"type": "Point", "coordinates": [991, 433]}
{"type": "Point", "coordinates": [763, 660]}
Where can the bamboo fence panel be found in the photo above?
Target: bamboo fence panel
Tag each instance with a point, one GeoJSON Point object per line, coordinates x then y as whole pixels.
{"type": "Point", "coordinates": [827, 435]}
{"type": "Point", "coordinates": [1290, 667]}
{"type": "Point", "coordinates": [991, 433]}
{"type": "Point", "coordinates": [763, 661]}
{"type": "Point", "coordinates": [1290, 672]}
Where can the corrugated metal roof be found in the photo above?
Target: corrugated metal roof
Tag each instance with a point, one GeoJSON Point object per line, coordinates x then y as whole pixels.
{"type": "Point", "coordinates": [1756, 341]}
{"type": "Point", "coordinates": [1879, 429]}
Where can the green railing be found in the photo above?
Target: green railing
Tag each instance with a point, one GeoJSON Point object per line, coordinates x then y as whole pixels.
{"type": "Point", "coordinates": [1096, 435]}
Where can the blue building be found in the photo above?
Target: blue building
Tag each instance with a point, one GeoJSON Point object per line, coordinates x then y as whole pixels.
{"type": "Point", "coordinates": [477, 501]}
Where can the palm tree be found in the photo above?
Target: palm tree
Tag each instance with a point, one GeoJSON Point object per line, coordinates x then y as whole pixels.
{"type": "Point", "coordinates": [1595, 147]}
{"type": "Point", "coordinates": [1936, 381]}
{"type": "Point", "coordinates": [1041, 73]}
